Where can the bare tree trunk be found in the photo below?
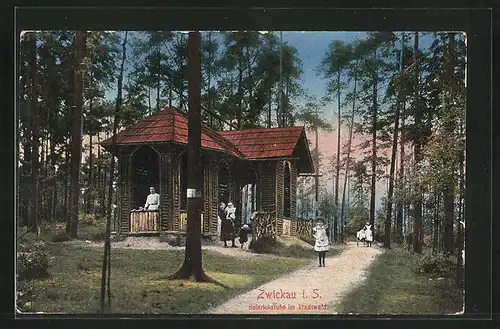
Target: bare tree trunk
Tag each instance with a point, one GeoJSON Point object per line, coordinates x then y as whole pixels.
{"type": "Point", "coordinates": [401, 181]}
{"type": "Point", "coordinates": [106, 259]}
{"type": "Point", "coordinates": [461, 219]}
{"type": "Point", "coordinates": [35, 142]}
{"type": "Point", "coordinates": [280, 94]}
{"type": "Point", "coordinates": [66, 182]}
{"type": "Point", "coordinates": [150, 109]}
{"type": "Point", "coordinates": [450, 129]}
{"type": "Point", "coordinates": [192, 265]}
{"type": "Point", "coordinates": [417, 208]}
{"type": "Point", "coordinates": [269, 111]}
{"type": "Point", "coordinates": [374, 150]}
{"type": "Point", "coordinates": [388, 221]}
{"type": "Point", "coordinates": [88, 193]}
{"type": "Point", "coordinates": [316, 178]}
{"type": "Point", "coordinates": [76, 137]}
{"type": "Point", "coordinates": [337, 167]}
{"type": "Point", "coordinates": [435, 233]}
{"type": "Point", "coordinates": [349, 143]}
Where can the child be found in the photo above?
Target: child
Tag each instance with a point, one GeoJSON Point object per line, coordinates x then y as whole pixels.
{"type": "Point", "coordinates": [322, 245]}
{"type": "Point", "coordinates": [368, 234]}
{"type": "Point", "coordinates": [243, 235]}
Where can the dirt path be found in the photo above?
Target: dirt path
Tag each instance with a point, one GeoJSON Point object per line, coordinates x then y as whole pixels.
{"type": "Point", "coordinates": [153, 243]}
{"type": "Point", "coordinates": [309, 290]}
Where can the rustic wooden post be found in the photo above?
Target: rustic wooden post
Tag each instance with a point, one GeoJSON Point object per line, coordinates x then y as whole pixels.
{"type": "Point", "coordinates": [125, 176]}
{"type": "Point", "coordinates": [165, 190]}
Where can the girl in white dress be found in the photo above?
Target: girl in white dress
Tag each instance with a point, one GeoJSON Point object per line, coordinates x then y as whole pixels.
{"type": "Point", "coordinates": [321, 245]}
{"type": "Point", "coordinates": [368, 234]}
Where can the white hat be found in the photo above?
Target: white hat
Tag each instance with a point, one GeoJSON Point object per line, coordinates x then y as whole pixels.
{"type": "Point", "coordinates": [245, 226]}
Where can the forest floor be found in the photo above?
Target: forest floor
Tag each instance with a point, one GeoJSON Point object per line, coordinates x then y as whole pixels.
{"type": "Point", "coordinates": [356, 280]}
{"type": "Point", "coordinates": [394, 287]}
{"type": "Point", "coordinates": [139, 280]}
{"type": "Point", "coordinates": [310, 289]}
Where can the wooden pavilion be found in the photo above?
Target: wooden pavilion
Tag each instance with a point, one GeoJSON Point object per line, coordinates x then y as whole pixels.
{"type": "Point", "coordinates": [153, 152]}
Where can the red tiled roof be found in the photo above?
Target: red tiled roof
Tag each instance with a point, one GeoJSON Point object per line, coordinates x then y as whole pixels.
{"type": "Point", "coordinates": [265, 142]}
{"type": "Point", "coordinates": [170, 125]}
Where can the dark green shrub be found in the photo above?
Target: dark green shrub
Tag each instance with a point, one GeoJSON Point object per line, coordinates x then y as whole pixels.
{"type": "Point", "coordinates": [61, 237]}
{"type": "Point", "coordinates": [264, 245]}
{"type": "Point", "coordinates": [99, 236]}
{"type": "Point", "coordinates": [438, 265]}
{"type": "Point", "coordinates": [32, 262]}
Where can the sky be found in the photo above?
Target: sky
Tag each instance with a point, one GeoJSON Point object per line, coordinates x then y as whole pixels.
{"type": "Point", "coordinates": [311, 47]}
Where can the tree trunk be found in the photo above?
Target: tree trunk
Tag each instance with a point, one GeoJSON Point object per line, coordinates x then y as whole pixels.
{"type": "Point", "coordinates": [349, 143]}
{"type": "Point", "coordinates": [337, 167]}
{"type": "Point", "coordinates": [450, 127]}
{"type": "Point", "coordinates": [461, 219]}
{"type": "Point", "coordinates": [150, 109]}
{"type": "Point", "coordinates": [417, 208]}
{"type": "Point", "coordinates": [374, 150]}
{"type": "Point", "coordinates": [90, 186]}
{"type": "Point", "coordinates": [435, 235]}
{"type": "Point", "coordinates": [66, 182]}
{"type": "Point", "coordinates": [209, 84]}
{"type": "Point", "coordinates": [316, 178]}
{"type": "Point", "coordinates": [240, 86]}
{"type": "Point", "coordinates": [170, 96]}
{"type": "Point", "coordinates": [269, 110]}
{"type": "Point", "coordinates": [192, 265]}
{"type": "Point", "coordinates": [53, 182]}
{"type": "Point", "coordinates": [280, 93]}
{"type": "Point", "coordinates": [449, 204]}
{"type": "Point", "coordinates": [158, 81]}
{"type": "Point", "coordinates": [76, 137]}
{"type": "Point", "coordinates": [35, 142]}
{"type": "Point", "coordinates": [388, 221]}
{"type": "Point", "coordinates": [106, 264]}
{"type": "Point", "coordinates": [401, 180]}
{"type": "Point", "coordinates": [100, 187]}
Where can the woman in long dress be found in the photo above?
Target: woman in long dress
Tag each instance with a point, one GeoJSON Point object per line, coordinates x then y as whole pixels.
{"type": "Point", "coordinates": [227, 229]}
{"type": "Point", "coordinates": [322, 244]}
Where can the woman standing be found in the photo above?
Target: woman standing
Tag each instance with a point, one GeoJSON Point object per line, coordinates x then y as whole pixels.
{"type": "Point", "coordinates": [321, 245]}
{"type": "Point", "coordinates": [227, 215]}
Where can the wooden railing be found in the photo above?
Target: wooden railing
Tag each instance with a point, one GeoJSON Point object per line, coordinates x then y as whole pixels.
{"type": "Point", "coordinates": [144, 222]}
{"type": "Point", "coordinates": [183, 222]}
{"type": "Point", "coordinates": [264, 224]}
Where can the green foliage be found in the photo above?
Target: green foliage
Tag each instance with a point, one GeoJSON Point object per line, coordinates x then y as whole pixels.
{"type": "Point", "coordinates": [61, 237]}
{"type": "Point", "coordinates": [435, 265]}
{"type": "Point", "coordinates": [392, 287]}
{"type": "Point", "coordinates": [32, 261]}
{"type": "Point", "coordinates": [356, 220]}
{"type": "Point", "coordinates": [264, 245]}
{"type": "Point", "coordinates": [268, 245]}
